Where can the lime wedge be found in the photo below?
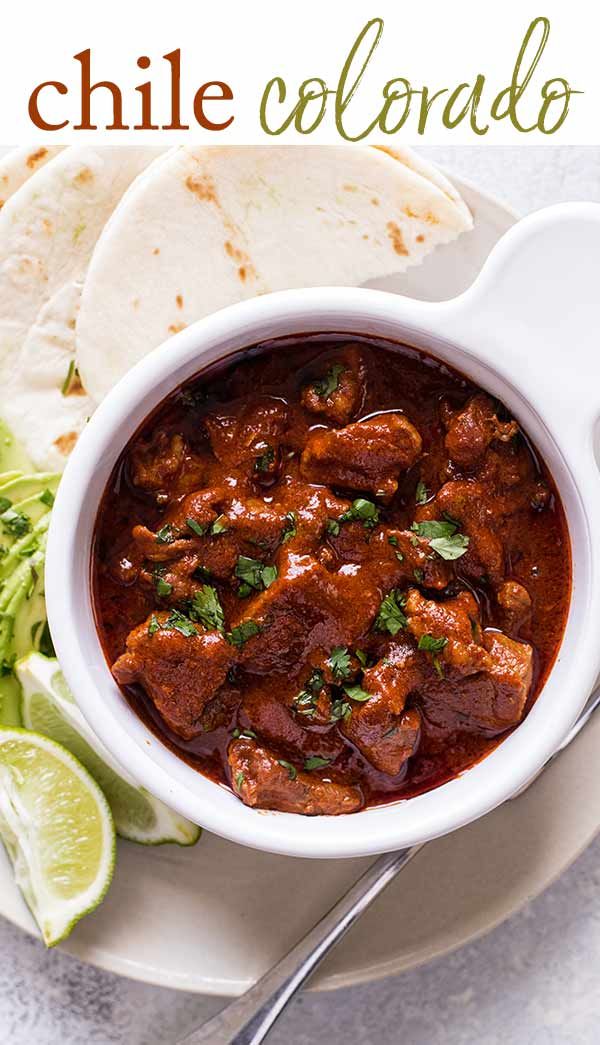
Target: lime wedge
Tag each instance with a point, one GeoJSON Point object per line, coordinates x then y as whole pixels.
{"type": "Point", "coordinates": [48, 707]}
{"type": "Point", "coordinates": [57, 828]}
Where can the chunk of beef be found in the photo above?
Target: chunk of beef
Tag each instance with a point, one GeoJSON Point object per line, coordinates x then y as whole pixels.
{"type": "Point", "coordinates": [338, 391]}
{"type": "Point", "coordinates": [368, 455]}
{"type": "Point", "coordinates": [249, 437]}
{"type": "Point", "coordinates": [247, 526]}
{"type": "Point", "coordinates": [166, 461]}
{"type": "Point", "coordinates": [381, 728]}
{"type": "Point", "coordinates": [515, 602]}
{"type": "Point", "coordinates": [471, 430]}
{"type": "Point", "coordinates": [479, 513]}
{"type": "Point", "coordinates": [268, 709]}
{"type": "Point", "coordinates": [180, 673]}
{"type": "Point", "coordinates": [308, 508]}
{"type": "Point", "coordinates": [306, 609]}
{"type": "Point", "coordinates": [493, 701]}
{"type": "Point", "coordinates": [455, 620]}
{"type": "Point", "coordinates": [511, 672]}
{"type": "Point", "coordinates": [260, 780]}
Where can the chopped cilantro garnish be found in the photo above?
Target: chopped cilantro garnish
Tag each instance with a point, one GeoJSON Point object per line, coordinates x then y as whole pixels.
{"type": "Point", "coordinates": [316, 762]}
{"type": "Point", "coordinates": [219, 525]}
{"type": "Point", "coordinates": [363, 511]}
{"type": "Point", "coordinates": [393, 540]}
{"type": "Point", "coordinates": [264, 462]}
{"type": "Point", "coordinates": [254, 573]}
{"type": "Point", "coordinates": [15, 523]}
{"type": "Point", "coordinates": [361, 656]}
{"type": "Point", "coordinates": [421, 492]}
{"type": "Point", "coordinates": [207, 608]}
{"type": "Point", "coordinates": [293, 772]}
{"type": "Point", "coordinates": [163, 587]}
{"type": "Point", "coordinates": [165, 535]}
{"type": "Point", "coordinates": [328, 384]}
{"type": "Point", "coordinates": [419, 575]}
{"type": "Point", "coordinates": [332, 527]}
{"type": "Point", "coordinates": [340, 709]}
{"type": "Point", "coordinates": [5, 503]}
{"type": "Point", "coordinates": [307, 698]}
{"type": "Point", "coordinates": [47, 498]}
{"type": "Point", "coordinates": [242, 632]}
{"type": "Point", "coordinates": [357, 693]}
{"type": "Point", "coordinates": [180, 623]}
{"type": "Point", "coordinates": [153, 625]}
{"type": "Point", "coordinates": [290, 523]}
{"type": "Point", "coordinates": [243, 734]}
{"type": "Point", "coordinates": [195, 527]}
{"type": "Point", "coordinates": [429, 644]}
{"type": "Point", "coordinates": [239, 780]}
{"type": "Point", "coordinates": [339, 662]}
{"type": "Point", "coordinates": [391, 617]}
{"type": "Point", "coordinates": [443, 537]}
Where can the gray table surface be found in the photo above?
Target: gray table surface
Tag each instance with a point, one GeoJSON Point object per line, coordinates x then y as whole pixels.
{"type": "Point", "coordinates": [533, 980]}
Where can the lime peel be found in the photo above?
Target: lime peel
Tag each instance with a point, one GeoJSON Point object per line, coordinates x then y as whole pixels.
{"type": "Point", "coordinates": [57, 828]}
{"type": "Point", "coordinates": [48, 707]}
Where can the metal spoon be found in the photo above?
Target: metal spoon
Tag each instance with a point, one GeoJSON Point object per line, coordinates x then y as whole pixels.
{"type": "Point", "coordinates": [248, 1020]}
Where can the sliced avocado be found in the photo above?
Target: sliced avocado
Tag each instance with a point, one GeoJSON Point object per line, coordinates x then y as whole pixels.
{"type": "Point", "coordinates": [21, 549]}
{"type": "Point", "coordinates": [22, 626]}
{"type": "Point", "coordinates": [23, 486]}
{"type": "Point", "coordinates": [12, 456]}
{"type": "Point", "coordinates": [17, 521]}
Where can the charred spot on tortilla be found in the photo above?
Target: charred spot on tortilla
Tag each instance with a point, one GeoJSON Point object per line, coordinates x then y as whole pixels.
{"type": "Point", "coordinates": [66, 443]}
{"type": "Point", "coordinates": [395, 234]}
{"type": "Point", "coordinates": [176, 328]}
{"type": "Point", "coordinates": [84, 176]}
{"type": "Point", "coordinates": [179, 300]}
{"type": "Point", "coordinates": [202, 186]}
{"type": "Point", "coordinates": [34, 158]}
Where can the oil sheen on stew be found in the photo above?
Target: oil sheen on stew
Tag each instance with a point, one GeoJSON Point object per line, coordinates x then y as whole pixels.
{"type": "Point", "coordinates": [331, 573]}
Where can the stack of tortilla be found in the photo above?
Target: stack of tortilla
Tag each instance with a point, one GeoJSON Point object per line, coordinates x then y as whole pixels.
{"type": "Point", "coordinates": [105, 253]}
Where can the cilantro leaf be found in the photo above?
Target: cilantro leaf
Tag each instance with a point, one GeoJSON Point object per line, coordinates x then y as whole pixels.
{"type": "Point", "coordinates": [339, 662]}
{"type": "Point", "coordinates": [180, 623]}
{"type": "Point", "coordinates": [244, 734]}
{"type": "Point", "coordinates": [290, 523]}
{"type": "Point", "coordinates": [328, 384]}
{"type": "Point", "coordinates": [195, 527]}
{"type": "Point", "coordinates": [443, 537]}
{"type": "Point", "coordinates": [265, 460]}
{"type": "Point", "coordinates": [219, 525]}
{"type": "Point", "coordinates": [293, 772]}
{"type": "Point", "coordinates": [47, 498]}
{"type": "Point", "coordinates": [357, 693]}
{"type": "Point", "coordinates": [242, 632]}
{"type": "Point", "coordinates": [340, 709]}
{"type": "Point", "coordinates": [163, 587]}
{"type": "Point", "coordinates": [421, 493]}
{"type": "Point", "coordinates": [450, 548]}
{"type": "Point", "coordinates": [206, 608]}
{"type": "Point", "coordinates": [391, 617]}
{"type": "Point", "coordinates": [332, 527]}
{"type": "Point", "coordinates": [254, 573]}
{"type": "Point", "coordinates": [429, 644]}
{"type": "Point", "coordinates": [153, 625]}
{"type": "Point", "coordinates": [165, 535]}
{"type": "Point", "coordinates": [316, 762]}
{"type": "Point", "coordinates": [363, 511]}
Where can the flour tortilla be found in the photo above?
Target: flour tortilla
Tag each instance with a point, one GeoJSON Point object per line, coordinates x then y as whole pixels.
{"type": "Point", "coordinates": [48, 230]}
{"type": "Point", "coordinates": [17, 166]}
{"type": "Point", "coordinates": [206, 227]}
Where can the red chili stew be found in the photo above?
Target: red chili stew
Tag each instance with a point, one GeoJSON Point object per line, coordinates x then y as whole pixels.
{"type": "Point", "coordinates": [331, 573]}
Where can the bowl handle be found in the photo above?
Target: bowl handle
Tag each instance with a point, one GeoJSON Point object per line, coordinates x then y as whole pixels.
{"type": "Point", "coordinates": [535, 308]}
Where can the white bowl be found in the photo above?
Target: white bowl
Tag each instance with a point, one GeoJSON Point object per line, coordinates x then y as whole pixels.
{"type": "Point", "coordinates": [527, 332]}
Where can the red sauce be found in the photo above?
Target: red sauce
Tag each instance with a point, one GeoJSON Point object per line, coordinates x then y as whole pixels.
{"type": "Point", "coordinates": [526, 524]}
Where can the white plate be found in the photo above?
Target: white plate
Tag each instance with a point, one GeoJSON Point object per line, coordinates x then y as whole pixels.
{"type": "Point", "coordinates": [214, 918]}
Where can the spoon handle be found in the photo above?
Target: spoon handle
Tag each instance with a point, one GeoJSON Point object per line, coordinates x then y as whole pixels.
{"type": "Point", "coordinates": [248, 1020]}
